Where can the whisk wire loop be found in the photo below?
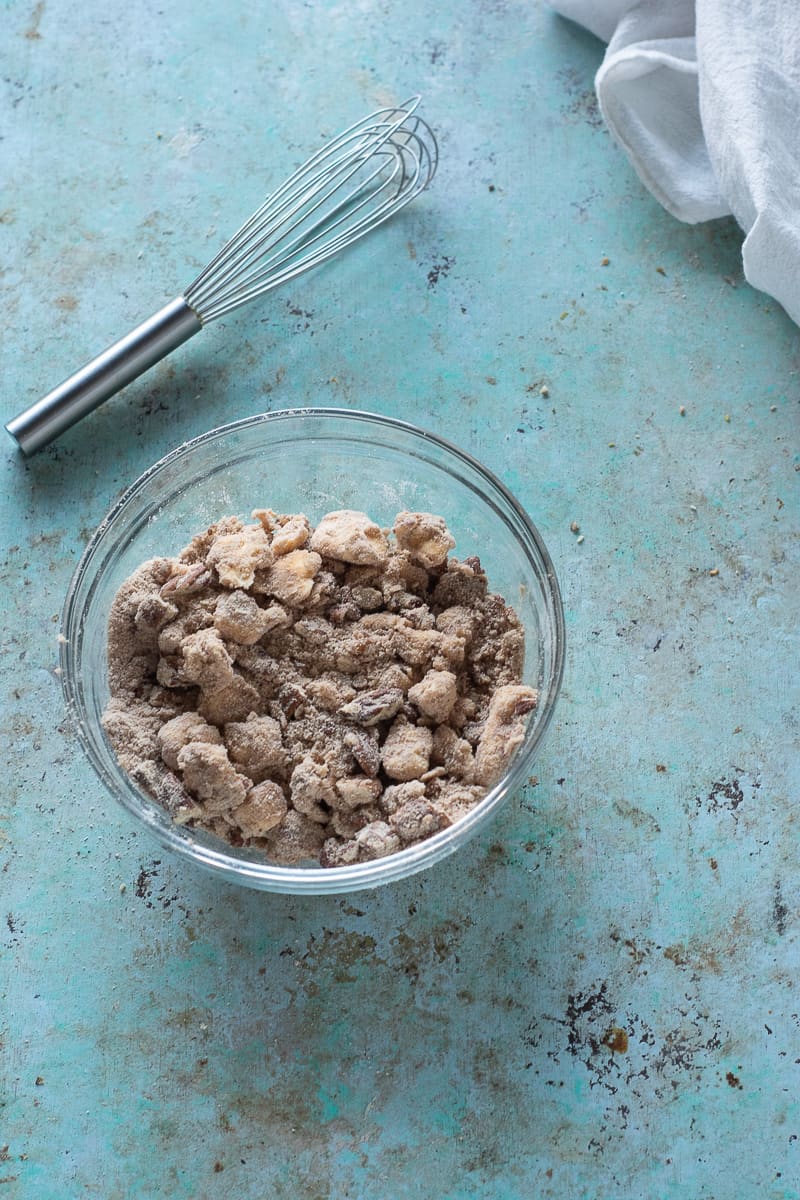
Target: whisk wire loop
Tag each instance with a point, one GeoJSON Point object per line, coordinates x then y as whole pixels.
{"type": "Point", "coordinates": [245, 278]}
{"type": "Point", "coordinates": [239, 257]}
{"type": "Point", "coordinates": [346, 188]}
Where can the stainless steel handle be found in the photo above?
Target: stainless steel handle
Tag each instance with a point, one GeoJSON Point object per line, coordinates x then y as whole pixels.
{"type": "Point", "coordinates": [104, 375]}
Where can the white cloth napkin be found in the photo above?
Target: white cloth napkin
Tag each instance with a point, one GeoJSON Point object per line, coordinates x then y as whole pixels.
{"type": "Point", "coordinates": [704, 96]}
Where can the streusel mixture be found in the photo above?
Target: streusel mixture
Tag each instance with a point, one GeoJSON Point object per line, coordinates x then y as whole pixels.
{"type": "Point", "coordinates": [333, 693]}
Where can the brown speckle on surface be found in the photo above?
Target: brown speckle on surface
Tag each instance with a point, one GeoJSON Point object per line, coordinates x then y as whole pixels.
{"type": "Point", "coordinates": [32, 32]}
{"type": "Point", "coordinates": [616, 1040]}
{"type": "Point", "coordinates": [733, 1080]}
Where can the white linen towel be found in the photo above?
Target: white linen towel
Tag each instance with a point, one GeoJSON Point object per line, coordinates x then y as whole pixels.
{"type": "Point", "coordinates": [704, 97]}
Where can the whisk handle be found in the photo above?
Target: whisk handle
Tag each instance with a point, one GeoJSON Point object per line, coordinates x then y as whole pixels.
{"type": "Point", "coordinates": [104, 375]}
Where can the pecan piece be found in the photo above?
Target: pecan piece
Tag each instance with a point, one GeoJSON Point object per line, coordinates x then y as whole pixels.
{"type": "Point", "coordinates": [186, 581]}
{"type": "Point", "coordinates": [365, 750]}
{"type": "Point", "coordinates": [369, 708]}
{"type": "Point", "coordinates": [292, 698]}
{"type": "Point", "coordinates": [503, 731]}
{"type": "Point", "coordinates": [376, 840]}
{"type": "Point", "coordinates": [352, 793]}
{"type": "Point", "coordinates": [264, 808]}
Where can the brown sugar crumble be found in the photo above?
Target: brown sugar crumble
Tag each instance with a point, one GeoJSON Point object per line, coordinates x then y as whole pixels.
{"type": "Point", "coordinates": [334, 693]}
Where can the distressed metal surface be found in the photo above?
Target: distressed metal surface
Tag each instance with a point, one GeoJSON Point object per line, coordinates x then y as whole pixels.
{"type": "Point", "coordinates": [599, 997]}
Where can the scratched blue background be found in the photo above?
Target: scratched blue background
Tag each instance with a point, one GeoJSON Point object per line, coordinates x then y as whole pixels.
{"type": "Point", "coordinates": [598, 998]}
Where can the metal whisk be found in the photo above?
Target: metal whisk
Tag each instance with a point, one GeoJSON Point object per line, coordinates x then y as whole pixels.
{"type": "Point", "coordinates": [350, 186]}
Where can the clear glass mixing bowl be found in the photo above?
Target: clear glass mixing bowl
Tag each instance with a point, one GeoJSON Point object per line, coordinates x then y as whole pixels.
{"type": "Point", "coordinates": [312, 461]}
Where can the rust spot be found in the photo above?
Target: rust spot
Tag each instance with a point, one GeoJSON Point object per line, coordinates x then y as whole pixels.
{"type": "Point", "coordinates": [636, 816]}
{"type": "Point", "coordinates": [712, 862]}
{"type": "Point", "coordinates": [412, 250]}
{"type": "Point", "coordinates": [660, 767]}
{"type": "Point", "coordinates": [697, 955]}
{"type": "Point", "coordinates": [617, 1040]}
{"type": "Point", "coordinates": [66, 303]}
{"type": "Point", "coordinates": [733, 1080]}
{"type": "Point", "coordinates": [218, 1167]}
{"type": "Point", "coordinates": [32, 32]}
{"type": "Point", "coordinates": [280, 375]}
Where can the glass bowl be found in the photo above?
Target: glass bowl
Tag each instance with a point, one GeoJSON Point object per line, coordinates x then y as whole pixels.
{"type": "Point", "coordinates": [312, 461]}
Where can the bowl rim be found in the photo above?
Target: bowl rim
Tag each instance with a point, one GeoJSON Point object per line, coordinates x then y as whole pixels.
{"type": "Point", "coordinates": [314, 880]}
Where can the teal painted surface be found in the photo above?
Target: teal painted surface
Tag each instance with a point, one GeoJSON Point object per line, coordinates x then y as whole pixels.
{"type": "Point", "coordinates": [163, 1035]}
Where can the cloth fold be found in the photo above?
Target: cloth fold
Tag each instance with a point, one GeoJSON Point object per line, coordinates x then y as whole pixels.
{"type": "Point", "coordinates": [704, 97]}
